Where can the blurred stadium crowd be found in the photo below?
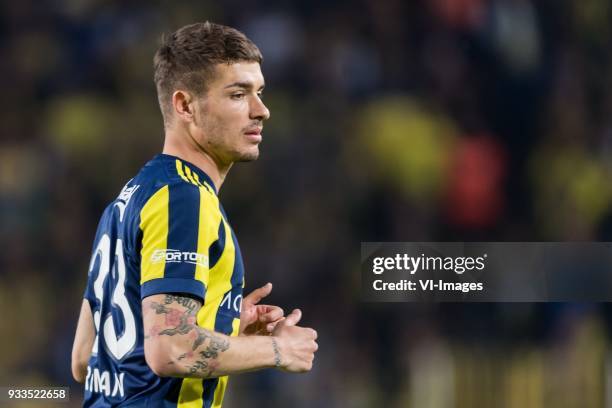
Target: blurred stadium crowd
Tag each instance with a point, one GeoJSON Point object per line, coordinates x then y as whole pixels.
{"type": "Point", "coordinates": [431, 120]}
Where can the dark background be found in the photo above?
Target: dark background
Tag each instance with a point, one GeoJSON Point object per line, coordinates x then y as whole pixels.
{"type": "Point", "coordinates": [439, 120]}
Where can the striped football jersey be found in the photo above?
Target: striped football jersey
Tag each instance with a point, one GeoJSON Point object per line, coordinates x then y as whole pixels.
{"type": "Point", "coordinates": [166, 232]}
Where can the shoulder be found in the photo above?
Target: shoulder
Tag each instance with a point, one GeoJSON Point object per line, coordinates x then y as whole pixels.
{"type": "Point", "coordinates": [170, 173]}
{"type": "Point", "coordinates": [166, 187]}
{"type": "Point", "coordinates": [165, 179]}
{"type": "Point", "coordinates": [178, 203]}
{"type": "Point", "coordinates": [172, 196]}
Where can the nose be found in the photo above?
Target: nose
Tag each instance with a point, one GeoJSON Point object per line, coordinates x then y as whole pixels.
{"type": "Point", "coordinates": [259, 111]}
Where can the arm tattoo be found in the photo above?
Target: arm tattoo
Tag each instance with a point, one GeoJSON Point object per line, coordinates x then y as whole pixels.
{"type": "Point", "coordinates": [202, 336]}
{"type": "Point", "coordinates": [277, 356]}
{"type": "Point", "coordinates": [186, 302]}
{"type": "Point", "coordinates": [181, 321]}
{"type": "Point", "coordinates": [209, 355]}
{"type": "Point", "coordinates": [198, 366]}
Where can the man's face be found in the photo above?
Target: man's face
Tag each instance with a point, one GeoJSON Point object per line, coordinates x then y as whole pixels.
{"type": "Point", "coordinates": [230, 115]}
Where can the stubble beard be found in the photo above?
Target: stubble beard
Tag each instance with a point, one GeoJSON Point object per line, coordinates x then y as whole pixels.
{"type": "Point", "coordinates": [248, 157]}
{"type": "Point", "coordinates": [236, 155]}
{"type": "Point", "coordinates": [221, 143]}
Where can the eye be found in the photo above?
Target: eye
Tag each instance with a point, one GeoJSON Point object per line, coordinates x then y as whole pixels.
{"type": "Point", "coordinates": [260, 94]}
{"type": "Point", "coordinates": [237, 95]}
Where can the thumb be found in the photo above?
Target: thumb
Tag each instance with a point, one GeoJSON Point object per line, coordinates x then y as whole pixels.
{"type": "Point", "coordinates": [255, 296]}
{"type": "Point", "coordinates": [293, 318]}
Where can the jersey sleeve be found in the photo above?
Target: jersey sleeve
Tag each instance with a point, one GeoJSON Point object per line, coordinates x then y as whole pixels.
{"type": "Point", "coordinates": [176, 233]}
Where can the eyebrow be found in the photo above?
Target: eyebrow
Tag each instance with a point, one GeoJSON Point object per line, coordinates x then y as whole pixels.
{"type": "Point", "coordinates": [245, 85]}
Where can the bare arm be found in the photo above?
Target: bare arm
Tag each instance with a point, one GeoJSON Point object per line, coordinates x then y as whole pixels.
{"type": "Point", "coordinates": [83, 342]}
{"type": "Point", "coordinates": [175, 346]}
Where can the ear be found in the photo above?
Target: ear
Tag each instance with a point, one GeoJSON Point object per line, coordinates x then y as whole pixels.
{"type": "Point", "coordinates": [183, 105]}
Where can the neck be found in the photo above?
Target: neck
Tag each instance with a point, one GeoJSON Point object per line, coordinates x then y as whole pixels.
{"type": "Point", "coordinates": [183, 146]}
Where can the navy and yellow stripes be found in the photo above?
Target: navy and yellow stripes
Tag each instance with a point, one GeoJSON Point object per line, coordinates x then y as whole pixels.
{"type": "Point", "coordinates": [185, 216]}
{"type": "Point", "coordinates": [171, 228]}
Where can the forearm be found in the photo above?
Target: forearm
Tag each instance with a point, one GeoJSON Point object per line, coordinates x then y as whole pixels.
{"type": "Point", "coordinates": [203, 353]}
{"type": "Point", "coordinates": [248, 354]}
{"type": "Point", "coordinates": [83, 341]}
{"type": "Point", "coordinates": [79, 371]}
{"type": "Point", "coordinates": [175, 346]}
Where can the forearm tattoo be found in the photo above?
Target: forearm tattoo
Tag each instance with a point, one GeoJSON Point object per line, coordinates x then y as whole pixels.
{"type": "Point", "coordinates": [180, 319]}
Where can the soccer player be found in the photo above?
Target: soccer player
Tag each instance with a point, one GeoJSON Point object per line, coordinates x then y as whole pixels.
{"type": "Point", "coordinates": [163, 321]}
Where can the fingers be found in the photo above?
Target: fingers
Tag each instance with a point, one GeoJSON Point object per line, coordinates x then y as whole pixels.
{"type": "Point", "coordinates": [304, 348]}
{"type": "Point", "coordinates": [268, 314]}
{"type": "Point", "coordinates": [299, 344]}
{"type": "Point", "coordinates": [293, 318]}
{"type": "Point", "coordinates": [255, 296]}
{"type": "Point", "coordinates": [271, 326]}
{"type": "Point", "coordinates": [313, 334]}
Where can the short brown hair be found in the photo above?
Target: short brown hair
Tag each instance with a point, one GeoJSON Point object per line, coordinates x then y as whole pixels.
{"type": "Point", "coordinates": [187, 58]}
